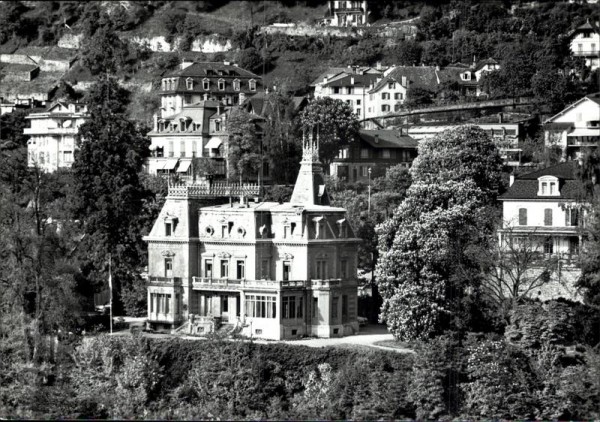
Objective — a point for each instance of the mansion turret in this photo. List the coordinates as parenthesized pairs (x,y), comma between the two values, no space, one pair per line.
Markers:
(261,269)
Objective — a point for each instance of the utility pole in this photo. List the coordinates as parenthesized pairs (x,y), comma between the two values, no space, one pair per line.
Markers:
(369,201)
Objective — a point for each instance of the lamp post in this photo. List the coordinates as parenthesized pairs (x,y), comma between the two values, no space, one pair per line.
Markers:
(369,206)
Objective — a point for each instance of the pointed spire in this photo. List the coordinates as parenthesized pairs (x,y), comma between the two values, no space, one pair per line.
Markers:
(310,185)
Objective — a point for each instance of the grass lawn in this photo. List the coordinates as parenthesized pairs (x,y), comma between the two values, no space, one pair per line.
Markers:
(392,344)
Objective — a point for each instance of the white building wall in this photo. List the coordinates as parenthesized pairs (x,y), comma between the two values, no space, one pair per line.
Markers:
(588,47)
(394,95)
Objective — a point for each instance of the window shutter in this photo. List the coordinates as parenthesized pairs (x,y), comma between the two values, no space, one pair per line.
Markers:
(547,217)
(522,216)
(567,217)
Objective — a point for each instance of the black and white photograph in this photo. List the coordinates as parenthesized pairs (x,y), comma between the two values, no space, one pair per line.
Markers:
(300,210)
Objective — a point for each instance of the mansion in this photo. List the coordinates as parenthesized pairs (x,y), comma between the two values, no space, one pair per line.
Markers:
(260,269)
(191,123)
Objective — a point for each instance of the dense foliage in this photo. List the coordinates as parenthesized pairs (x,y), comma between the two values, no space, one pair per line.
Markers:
(425,267)
(110,197)
(334,122)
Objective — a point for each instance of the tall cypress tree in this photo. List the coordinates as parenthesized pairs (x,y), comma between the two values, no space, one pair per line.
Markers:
(109,193)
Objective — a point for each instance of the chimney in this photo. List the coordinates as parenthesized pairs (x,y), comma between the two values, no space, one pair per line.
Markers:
(155,119)
(378,66)
(226,63)
(352,80)
(376,138)
(511,179)
(500,117)
(404,81)
(437,67)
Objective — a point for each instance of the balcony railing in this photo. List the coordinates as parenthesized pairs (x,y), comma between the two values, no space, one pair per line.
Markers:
(204,283)
(209,189)
(176,281)
(51,131)
(586,53)
(331,282)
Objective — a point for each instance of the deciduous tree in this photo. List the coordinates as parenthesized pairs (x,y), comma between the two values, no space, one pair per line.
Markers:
(335,122)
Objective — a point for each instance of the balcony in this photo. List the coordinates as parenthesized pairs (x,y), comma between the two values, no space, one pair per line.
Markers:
(585,53)
(331,282)
(204,283)
(162,281)
(51,131)
(211,189)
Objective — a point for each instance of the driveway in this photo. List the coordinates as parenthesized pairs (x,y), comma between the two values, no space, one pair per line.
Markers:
(368,336)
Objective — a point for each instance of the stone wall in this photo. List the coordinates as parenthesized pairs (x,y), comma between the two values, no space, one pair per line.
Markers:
(320,31)
(72,41)
(209,44)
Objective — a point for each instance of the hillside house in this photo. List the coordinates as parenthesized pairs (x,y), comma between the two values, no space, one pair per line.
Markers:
(348,84)
(259,269)
(585,43)
(53,134)
(346,13)
(506,136)
(389,93)
(206,81)
(575,129)
(374,150)
(546,207)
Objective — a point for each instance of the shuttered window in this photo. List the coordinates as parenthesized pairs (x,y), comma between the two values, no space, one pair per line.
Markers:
(522,216)
(547,217)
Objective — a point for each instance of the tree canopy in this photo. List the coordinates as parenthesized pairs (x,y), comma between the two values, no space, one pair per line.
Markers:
(110,196)
(425,267)
(336,123)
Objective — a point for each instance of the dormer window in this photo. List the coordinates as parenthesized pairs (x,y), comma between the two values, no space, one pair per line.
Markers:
(342,228)
(170,223)
(319,233)
(548,186)
(236,84)
(466,76)
(252,85)
(221,84)
(205,84)
(189,83)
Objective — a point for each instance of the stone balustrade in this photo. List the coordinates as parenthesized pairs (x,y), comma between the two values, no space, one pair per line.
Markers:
(213,189)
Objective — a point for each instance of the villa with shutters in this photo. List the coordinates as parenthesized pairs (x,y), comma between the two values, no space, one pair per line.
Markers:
(261,269)
(546,207)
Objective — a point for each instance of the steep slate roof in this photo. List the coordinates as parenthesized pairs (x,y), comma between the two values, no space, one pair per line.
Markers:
(526,186)
(259,105)
(387,139)
(359,80)
(213,71)
(482,63)
(199,113)
(337,71)
(585,27)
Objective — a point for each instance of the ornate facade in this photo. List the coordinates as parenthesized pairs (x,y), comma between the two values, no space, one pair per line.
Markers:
(261,269)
